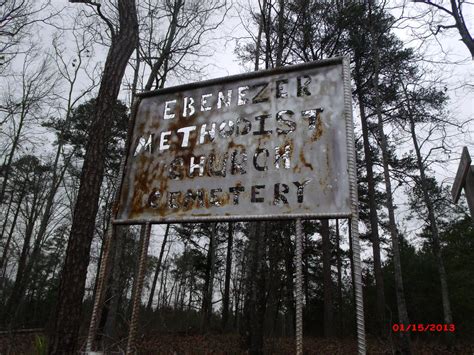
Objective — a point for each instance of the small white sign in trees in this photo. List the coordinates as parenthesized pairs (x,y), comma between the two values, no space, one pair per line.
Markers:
(464,179)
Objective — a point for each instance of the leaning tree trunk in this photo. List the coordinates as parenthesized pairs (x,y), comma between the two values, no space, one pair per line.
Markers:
(72,285)
(399,291)
(6,246)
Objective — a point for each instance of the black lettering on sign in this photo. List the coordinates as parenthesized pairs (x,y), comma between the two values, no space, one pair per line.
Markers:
(236,190)
(226,129)
(255,193)
(190,197)
(280,118)
(214,198)
(216,166)
(263,94)
(300,189)
(281,88)
(238,166)
(154,199)
(278,197)
(313,116)
(262,130)
(242,131)
(302,84)
(283,153)
(175,170)
(257,166)
(173,199)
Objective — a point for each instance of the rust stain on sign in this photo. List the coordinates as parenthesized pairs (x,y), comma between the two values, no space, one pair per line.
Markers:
(270,144)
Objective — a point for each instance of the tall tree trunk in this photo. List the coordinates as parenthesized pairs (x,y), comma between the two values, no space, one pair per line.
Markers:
(67,317)
(448,315)
(228,270)
(306,249)
(163,279)
(400,294)
(373,215)
(115,287)
(328,299)
(289,284)
(261,285)
(7,214)
(266,16)
(158,268)
(274,282)
(8,160)
(6,247)
(239,292)
(258,43)
(16,296)
(280,33)
(351,259)
(461,25)
(209,281)
(170,37)
(253,329)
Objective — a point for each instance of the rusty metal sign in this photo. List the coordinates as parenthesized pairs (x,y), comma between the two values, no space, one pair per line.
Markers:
(270,144)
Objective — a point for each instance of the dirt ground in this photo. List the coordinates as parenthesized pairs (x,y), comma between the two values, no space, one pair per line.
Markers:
(24,343)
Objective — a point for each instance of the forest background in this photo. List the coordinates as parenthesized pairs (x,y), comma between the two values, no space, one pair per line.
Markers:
(68,75)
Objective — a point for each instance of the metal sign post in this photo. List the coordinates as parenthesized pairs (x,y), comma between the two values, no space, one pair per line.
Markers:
(354,218)
(99,293)
(299,287)
(268,145)
(137,290)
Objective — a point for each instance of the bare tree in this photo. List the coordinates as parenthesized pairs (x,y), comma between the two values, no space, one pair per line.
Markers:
(186,26)
(16,18)
(422,115)
(47,205)
(23,106)
(450,16)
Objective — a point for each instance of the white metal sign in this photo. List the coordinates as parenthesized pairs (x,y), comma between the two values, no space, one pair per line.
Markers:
(255,146)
